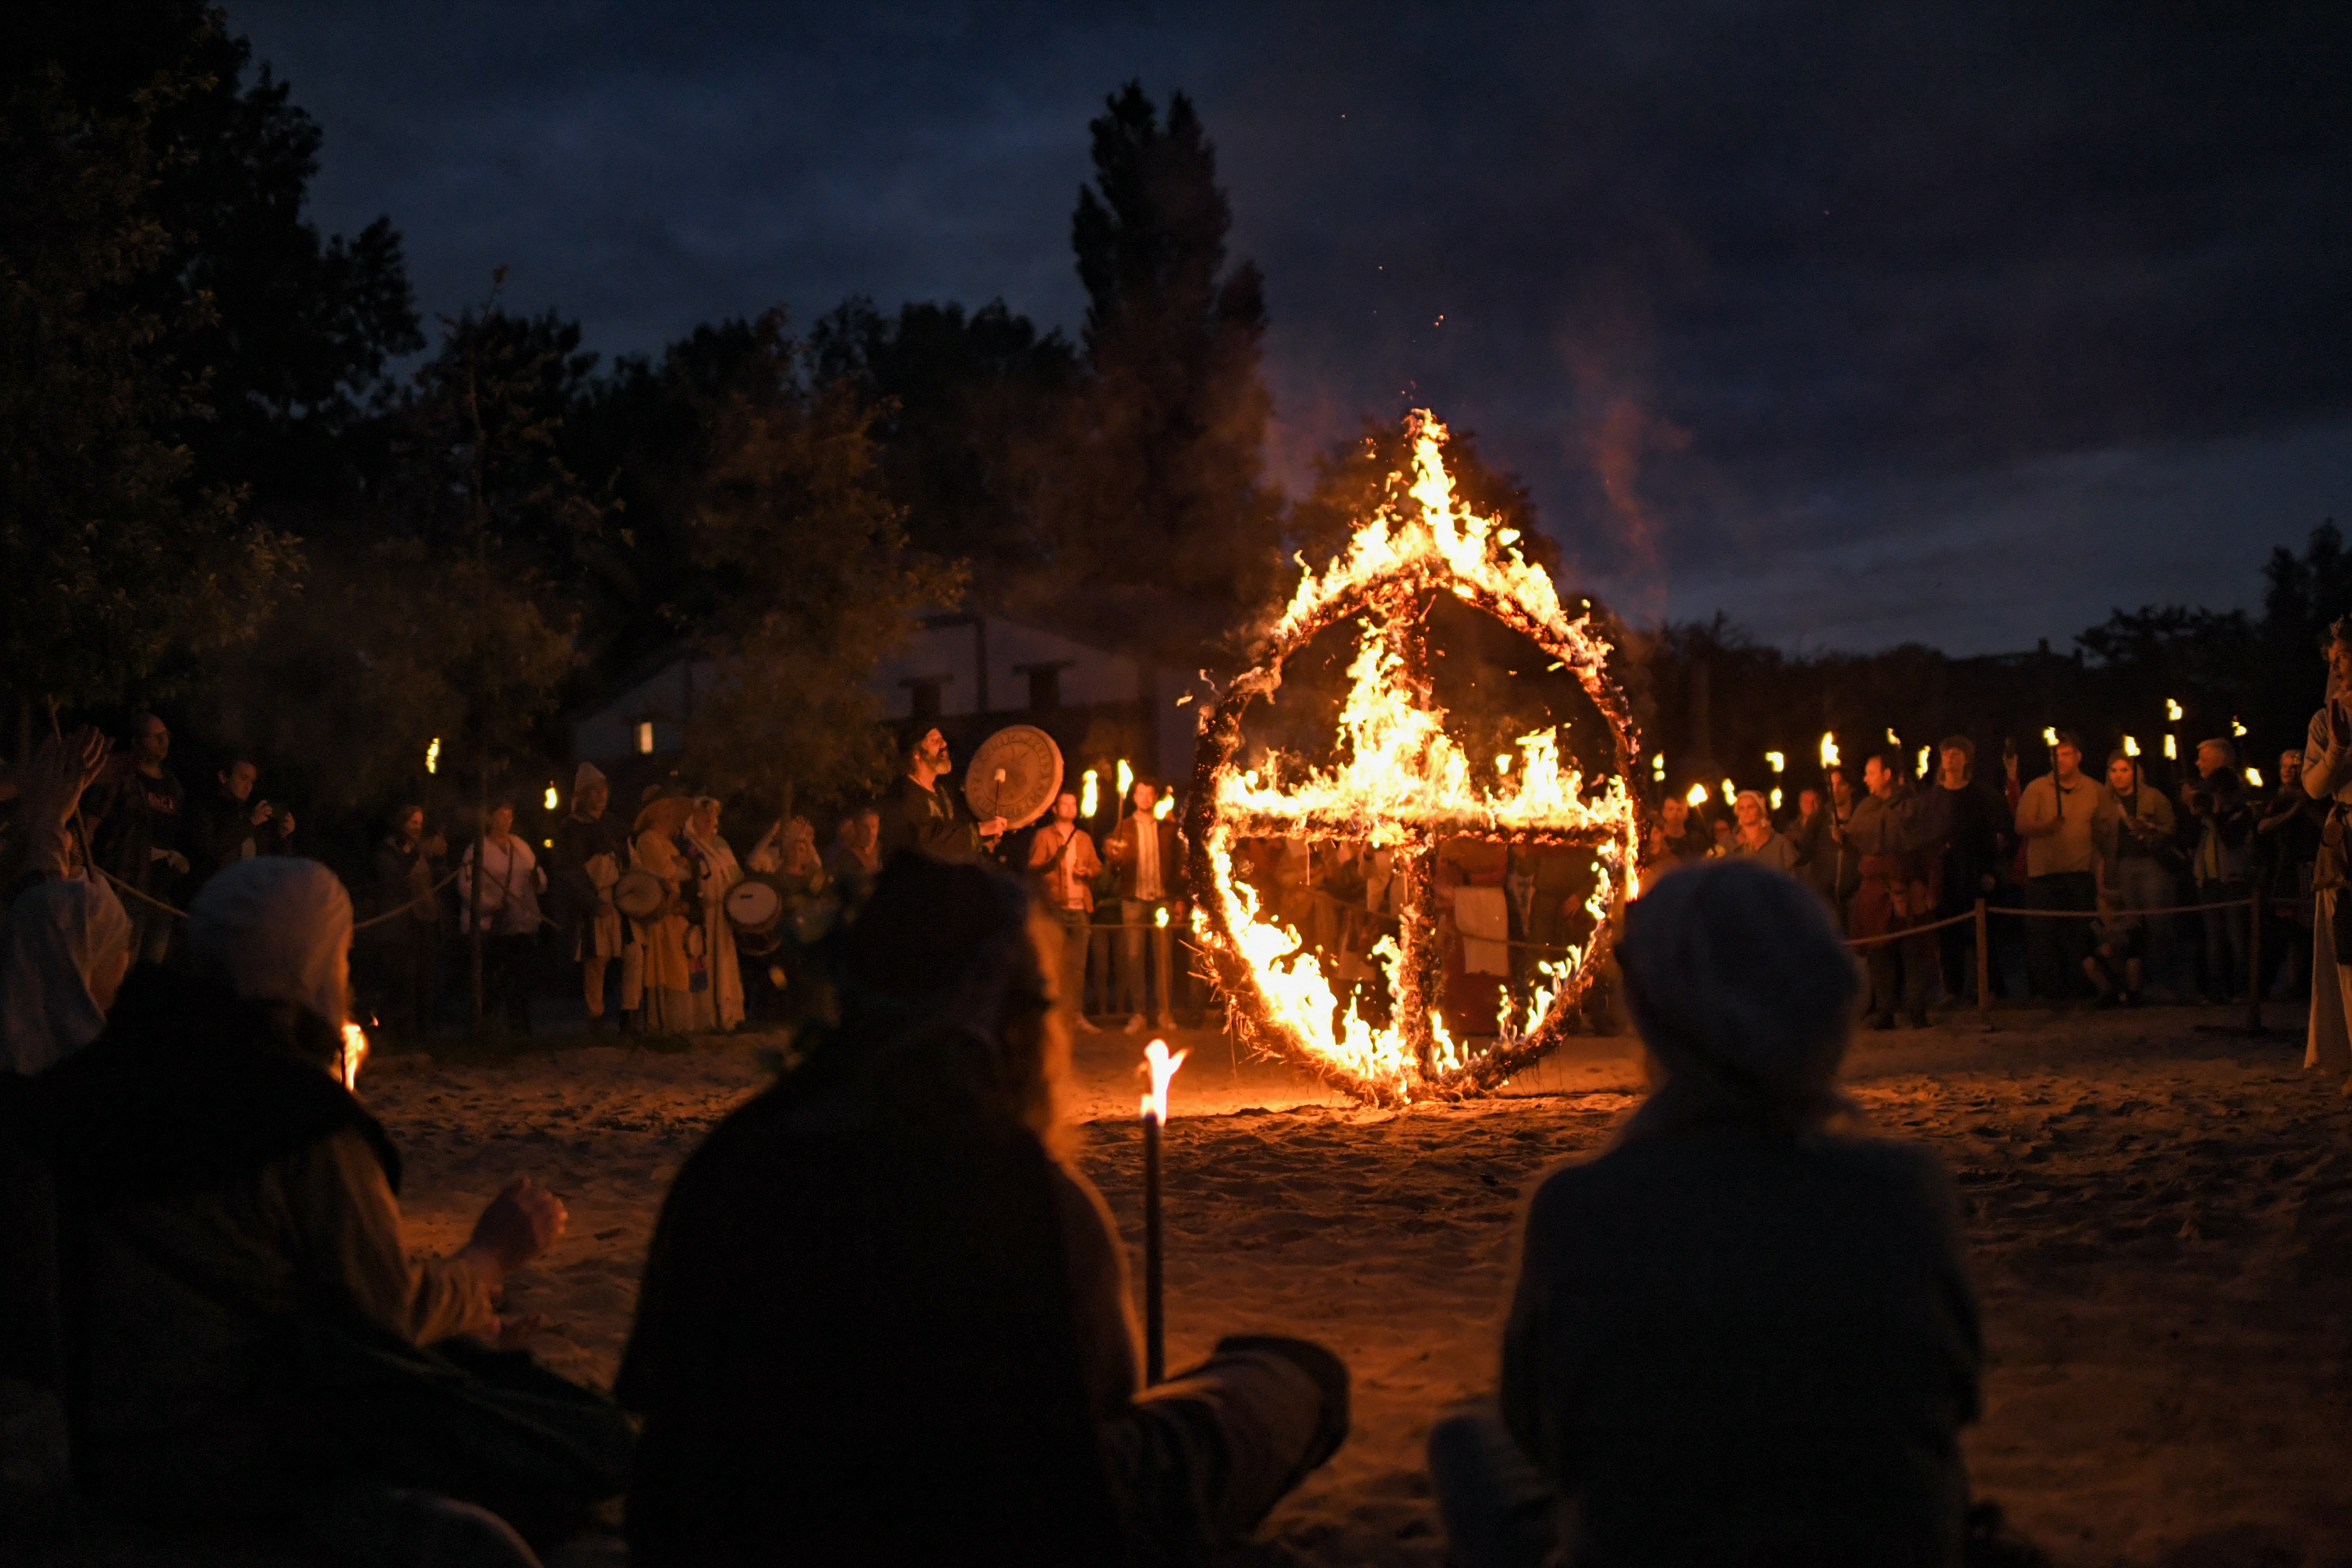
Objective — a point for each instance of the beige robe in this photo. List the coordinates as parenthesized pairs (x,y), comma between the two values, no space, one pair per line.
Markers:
(721,1005)
(668,1004)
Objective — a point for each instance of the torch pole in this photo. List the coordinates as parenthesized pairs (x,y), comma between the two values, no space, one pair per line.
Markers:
(1155,1317)
(1162,1067)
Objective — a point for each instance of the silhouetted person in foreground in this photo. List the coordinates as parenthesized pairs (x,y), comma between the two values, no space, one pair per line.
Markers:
(242,1321)
(1745,1335)
(883,1319)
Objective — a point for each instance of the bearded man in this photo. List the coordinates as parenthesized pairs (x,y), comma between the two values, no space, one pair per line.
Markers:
(920,816)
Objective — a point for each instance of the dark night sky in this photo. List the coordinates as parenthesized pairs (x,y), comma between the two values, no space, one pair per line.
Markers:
(1956,322)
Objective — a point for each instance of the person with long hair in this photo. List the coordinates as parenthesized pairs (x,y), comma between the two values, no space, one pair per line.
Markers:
(884,1319)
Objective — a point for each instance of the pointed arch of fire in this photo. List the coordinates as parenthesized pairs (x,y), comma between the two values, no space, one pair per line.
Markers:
(1396,559)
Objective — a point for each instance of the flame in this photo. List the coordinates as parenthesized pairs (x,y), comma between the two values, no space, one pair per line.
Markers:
(2131,747)
(1776,799)
(1163,1068)
(1658,767)
(2172,748)
(1162,806)
(355,1055)
(2050,736)
(2172,710)
(433,755)
(1893,739)
(1829,749)
(1696,797)
(1776,762)
(551,801)
(1126,781)
(1159,917)
(1731,790)
(1090,796)
(2255,777)
(2236,727)
(1404,783)
(1925,752)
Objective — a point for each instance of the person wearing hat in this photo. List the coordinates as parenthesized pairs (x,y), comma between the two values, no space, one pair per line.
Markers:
(920,813)
(884,1318)
(1746,1331)
(591,849)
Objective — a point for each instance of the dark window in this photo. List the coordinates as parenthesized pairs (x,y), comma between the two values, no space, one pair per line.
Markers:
(1046,688)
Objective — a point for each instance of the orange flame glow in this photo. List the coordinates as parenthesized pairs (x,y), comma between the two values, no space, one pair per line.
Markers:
(355,1055)
(1163,1068)
(1403,781)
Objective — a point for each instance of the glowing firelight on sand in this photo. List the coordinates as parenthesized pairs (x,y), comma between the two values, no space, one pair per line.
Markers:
(1404,785)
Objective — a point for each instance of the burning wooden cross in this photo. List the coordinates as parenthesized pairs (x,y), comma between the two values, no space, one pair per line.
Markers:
(1406,786)
(1155,1117)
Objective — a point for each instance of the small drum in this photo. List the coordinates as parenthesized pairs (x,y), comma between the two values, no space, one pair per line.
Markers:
(637,893)
(755,906)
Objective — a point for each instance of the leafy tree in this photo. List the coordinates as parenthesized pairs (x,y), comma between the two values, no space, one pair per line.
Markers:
(112,560)
(1152,490)
(960,402)
(295,331)
(814,581)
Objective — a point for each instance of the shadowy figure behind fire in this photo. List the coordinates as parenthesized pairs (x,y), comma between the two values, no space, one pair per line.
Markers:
(884,1320)
(1739,1336)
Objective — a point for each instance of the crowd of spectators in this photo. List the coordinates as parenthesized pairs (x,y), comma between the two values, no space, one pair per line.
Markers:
(2122,891)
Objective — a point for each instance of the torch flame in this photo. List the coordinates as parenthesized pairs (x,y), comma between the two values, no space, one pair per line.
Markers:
(433,755)
(1090,796)
(1162,806)
(1696,797)
(355,1055)
(1829,749)
(1163,1068)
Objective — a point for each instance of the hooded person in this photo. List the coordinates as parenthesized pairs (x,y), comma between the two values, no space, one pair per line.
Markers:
(62,957)
(885,1319)
(1744,1332)
(226,1215)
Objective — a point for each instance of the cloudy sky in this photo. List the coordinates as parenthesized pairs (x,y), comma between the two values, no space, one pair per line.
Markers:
(1962,323)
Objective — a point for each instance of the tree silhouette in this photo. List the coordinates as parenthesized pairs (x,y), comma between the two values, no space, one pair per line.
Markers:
(1153,491)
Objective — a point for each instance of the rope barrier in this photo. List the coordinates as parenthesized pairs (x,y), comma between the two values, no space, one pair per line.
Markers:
(155,903)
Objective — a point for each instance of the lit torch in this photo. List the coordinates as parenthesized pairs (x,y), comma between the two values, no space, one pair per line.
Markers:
(355,1055)
(1829,752)
(1155,1117)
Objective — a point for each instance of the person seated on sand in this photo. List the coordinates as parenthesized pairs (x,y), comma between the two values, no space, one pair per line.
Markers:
(237,1297)
(1745,1332)
(885,1319)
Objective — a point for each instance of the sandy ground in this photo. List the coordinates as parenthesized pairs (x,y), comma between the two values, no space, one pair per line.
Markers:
(2159,1215)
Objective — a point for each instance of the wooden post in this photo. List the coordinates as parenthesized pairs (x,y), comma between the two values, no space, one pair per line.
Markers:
(1984,965)
(1155,1323)
(2254,962)
(474,891)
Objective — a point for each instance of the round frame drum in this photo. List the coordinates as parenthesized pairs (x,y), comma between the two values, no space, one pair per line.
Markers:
(637,893)
(1014,774)
(755,906)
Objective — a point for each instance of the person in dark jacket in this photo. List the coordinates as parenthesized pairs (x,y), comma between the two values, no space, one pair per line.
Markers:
(232,825)
(2221,863)
(397,950)
(1746,1333)
(2286,839)
(137,814)
(1963,827)
(884,1319)
(1896,892)
(591,851)
(921,812)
